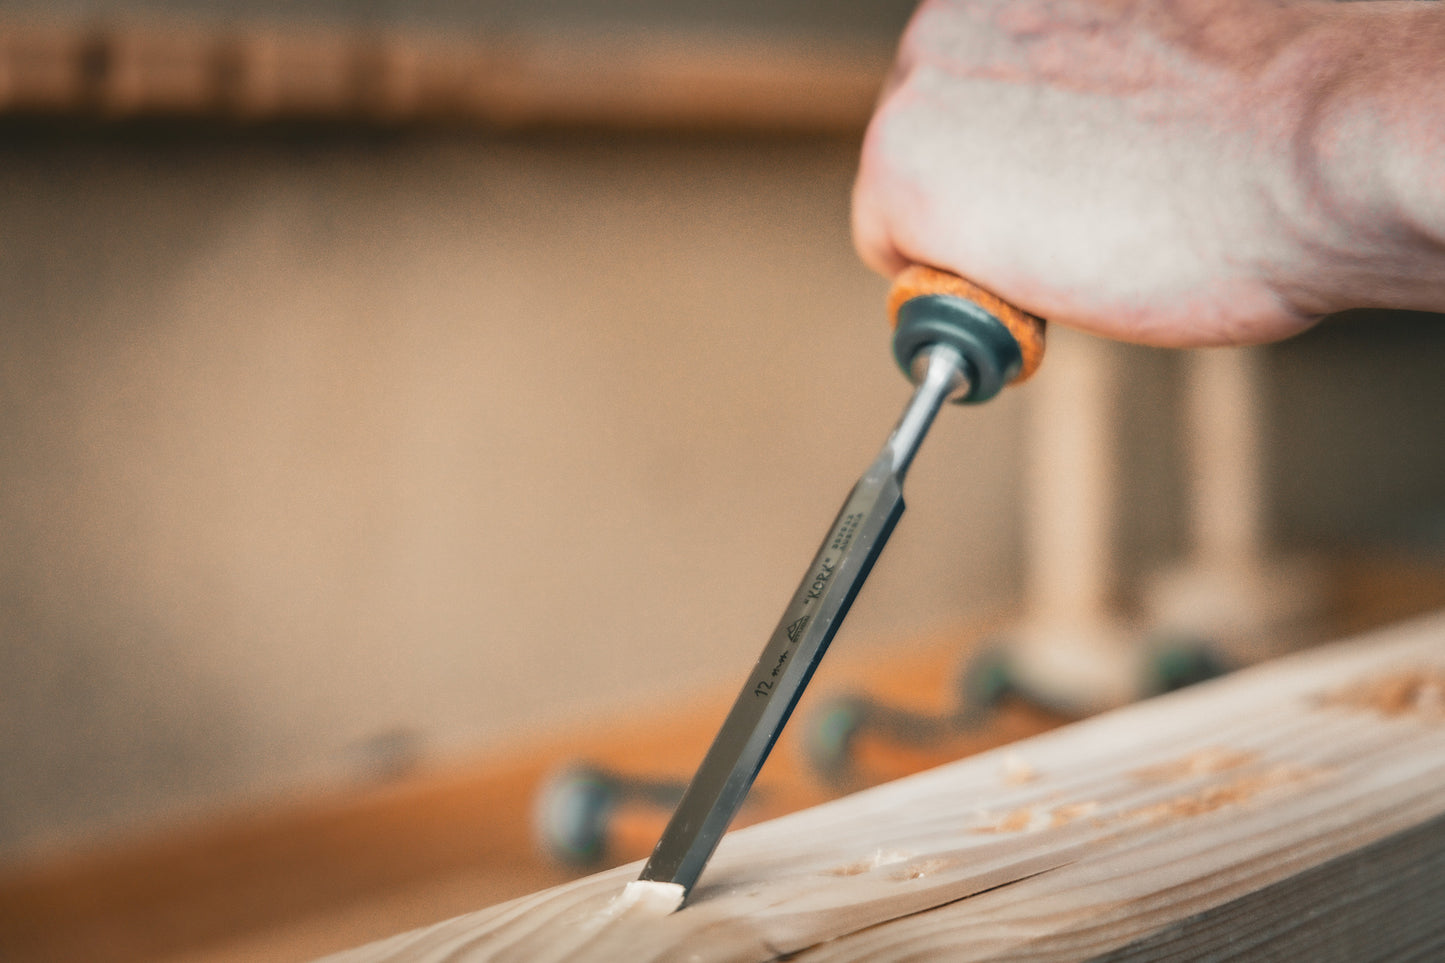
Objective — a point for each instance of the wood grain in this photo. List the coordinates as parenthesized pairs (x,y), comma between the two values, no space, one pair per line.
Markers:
(1296,809)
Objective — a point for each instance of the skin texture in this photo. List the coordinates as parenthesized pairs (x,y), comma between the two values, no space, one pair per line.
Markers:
(1169,172)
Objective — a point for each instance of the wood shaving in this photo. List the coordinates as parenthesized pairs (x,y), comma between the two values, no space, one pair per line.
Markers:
(924,867)
(1014,822)
(1017,771)
(878,859)
(644,897)
(1067,814)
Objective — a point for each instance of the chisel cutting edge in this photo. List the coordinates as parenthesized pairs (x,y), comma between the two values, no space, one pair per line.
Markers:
(957,342)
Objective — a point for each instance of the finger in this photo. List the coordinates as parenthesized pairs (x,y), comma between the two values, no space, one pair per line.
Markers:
(871,236)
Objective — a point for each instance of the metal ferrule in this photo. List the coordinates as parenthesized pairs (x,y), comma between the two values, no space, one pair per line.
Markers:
(940,374)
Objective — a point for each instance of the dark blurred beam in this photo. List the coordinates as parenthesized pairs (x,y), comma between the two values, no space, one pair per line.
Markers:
(640,79)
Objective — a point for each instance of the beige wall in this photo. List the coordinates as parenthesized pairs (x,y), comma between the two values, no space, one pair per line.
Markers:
(307,443)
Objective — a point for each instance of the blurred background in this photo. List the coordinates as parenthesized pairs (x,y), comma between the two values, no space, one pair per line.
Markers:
(413,418)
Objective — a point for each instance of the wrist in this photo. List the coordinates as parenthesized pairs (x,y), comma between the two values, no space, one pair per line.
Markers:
(1369,147)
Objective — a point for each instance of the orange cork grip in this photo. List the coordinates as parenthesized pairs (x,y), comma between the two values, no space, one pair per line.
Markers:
(1026,329)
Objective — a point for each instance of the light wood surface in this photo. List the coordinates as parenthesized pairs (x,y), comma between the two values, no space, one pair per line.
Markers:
(1294,809)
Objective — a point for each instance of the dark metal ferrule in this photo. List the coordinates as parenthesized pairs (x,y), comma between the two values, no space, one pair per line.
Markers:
(991,355)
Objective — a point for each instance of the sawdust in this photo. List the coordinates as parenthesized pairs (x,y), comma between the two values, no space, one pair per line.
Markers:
(1205,762)
(852,869)
(924,867)
(1017,771)
(1014,822)
(1031,818)
(1064,815)
(1242,788)
(1417,692)
(1235,792)
(862,866)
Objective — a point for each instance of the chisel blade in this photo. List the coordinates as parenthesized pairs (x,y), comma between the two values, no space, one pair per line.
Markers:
(808,625)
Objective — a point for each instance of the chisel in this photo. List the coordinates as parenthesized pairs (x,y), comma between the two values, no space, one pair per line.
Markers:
(957,342)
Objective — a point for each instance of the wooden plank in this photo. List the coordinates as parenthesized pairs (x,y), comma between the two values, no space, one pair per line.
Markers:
(1294,809)
(643,79)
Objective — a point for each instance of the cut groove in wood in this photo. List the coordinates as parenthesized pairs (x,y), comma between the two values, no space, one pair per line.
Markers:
(1277,811)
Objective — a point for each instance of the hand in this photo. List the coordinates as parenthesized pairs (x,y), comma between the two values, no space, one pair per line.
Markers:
(1172,172)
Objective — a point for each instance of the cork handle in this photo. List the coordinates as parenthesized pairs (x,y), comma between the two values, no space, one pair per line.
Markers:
(1026,329)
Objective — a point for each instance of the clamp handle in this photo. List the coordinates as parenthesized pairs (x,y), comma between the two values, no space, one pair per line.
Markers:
(1000,343)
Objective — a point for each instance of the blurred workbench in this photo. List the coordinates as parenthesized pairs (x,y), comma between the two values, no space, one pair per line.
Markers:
(660,77)
(311,876)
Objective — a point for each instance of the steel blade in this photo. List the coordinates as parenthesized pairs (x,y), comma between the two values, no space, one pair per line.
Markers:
(797,645)
(778,679)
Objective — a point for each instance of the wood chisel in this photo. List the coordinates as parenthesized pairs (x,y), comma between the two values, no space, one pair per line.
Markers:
(957,342)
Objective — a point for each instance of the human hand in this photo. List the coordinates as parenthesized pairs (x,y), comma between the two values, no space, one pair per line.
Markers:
(1171,172)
